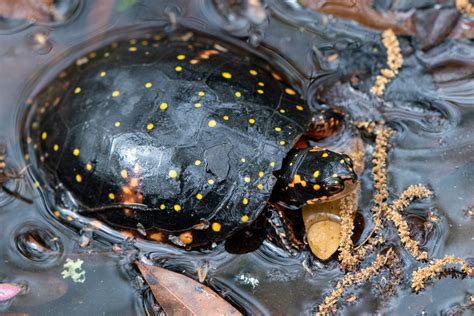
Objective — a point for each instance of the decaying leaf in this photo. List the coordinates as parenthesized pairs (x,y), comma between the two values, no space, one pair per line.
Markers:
(180,295)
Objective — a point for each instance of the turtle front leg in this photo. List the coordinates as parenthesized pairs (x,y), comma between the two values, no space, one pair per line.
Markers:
(282,231)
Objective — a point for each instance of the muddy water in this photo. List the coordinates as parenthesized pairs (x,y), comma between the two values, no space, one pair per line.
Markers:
(430,103)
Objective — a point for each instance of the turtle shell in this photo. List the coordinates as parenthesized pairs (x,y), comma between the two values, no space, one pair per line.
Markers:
(169,133)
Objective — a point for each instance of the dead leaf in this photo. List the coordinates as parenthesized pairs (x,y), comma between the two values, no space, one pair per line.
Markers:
(180,295)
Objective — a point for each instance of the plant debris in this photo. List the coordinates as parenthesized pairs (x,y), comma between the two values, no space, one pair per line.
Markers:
(354,279)
(393,213)
(72,269)
(394,62)
(350,258)
(179,295)
(465,6)
(435,268)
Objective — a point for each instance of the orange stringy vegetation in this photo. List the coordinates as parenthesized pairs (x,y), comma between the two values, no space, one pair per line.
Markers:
(393,213)
(394,62)
(350,257)
(354,279)
(465,6)
(435,268)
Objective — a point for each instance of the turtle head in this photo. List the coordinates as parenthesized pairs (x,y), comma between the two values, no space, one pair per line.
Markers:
(315,174)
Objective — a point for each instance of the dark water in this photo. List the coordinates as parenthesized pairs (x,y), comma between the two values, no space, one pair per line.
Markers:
(431,103)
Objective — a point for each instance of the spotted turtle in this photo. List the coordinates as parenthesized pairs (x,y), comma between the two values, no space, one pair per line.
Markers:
(179,135)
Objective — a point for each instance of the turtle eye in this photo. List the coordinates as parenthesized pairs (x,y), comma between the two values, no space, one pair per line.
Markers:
(334,187)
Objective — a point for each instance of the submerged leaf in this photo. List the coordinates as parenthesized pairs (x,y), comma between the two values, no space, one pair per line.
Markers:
(8,291)
(180,295)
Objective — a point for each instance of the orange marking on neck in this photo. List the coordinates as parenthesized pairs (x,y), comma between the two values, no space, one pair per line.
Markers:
(297,180)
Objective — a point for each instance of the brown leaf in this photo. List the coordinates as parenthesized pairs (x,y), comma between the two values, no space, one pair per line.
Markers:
(180,295)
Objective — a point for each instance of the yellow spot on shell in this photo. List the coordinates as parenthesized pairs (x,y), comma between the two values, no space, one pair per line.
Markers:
(278,129)
(282,111)
(116,93)
(238,94)
(282,142)
(181,57)
(245,218)
(173,173)
(163,106)
(124,174)
(299,108)
(253,72)
(316,187)
(334,175)
(36,185)
(261,174)
(199,196)
(103,74)
(261,84)
(150,126)
(77,90)
(226,118)
(57,213)
(111,196)
(243,160)
(290,91)
(226,75)
(162,207)
(216,227)
(177,207)
(245,201)
(56,147)
(342,161)
(272,164)
(44,135)
(193,61)
(316,174)
(210,181)
(78,178)
(260,91)
(197,162)
(76,152)
(247,179)
(117,124)
(88,167)
(178,68)
(252,121)
(325,155)
(148,85)
(212,123)
(197,105)
(260,186)
(132,49)
(201,93)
